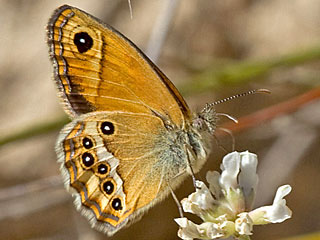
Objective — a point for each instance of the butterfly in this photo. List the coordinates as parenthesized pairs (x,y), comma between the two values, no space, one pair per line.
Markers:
(132,137)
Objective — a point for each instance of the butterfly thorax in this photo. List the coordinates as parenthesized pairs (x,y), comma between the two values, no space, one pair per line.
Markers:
(181,146)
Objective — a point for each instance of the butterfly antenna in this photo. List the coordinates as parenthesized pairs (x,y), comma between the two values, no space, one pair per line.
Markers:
(239,95)
(208,116)
(130,9)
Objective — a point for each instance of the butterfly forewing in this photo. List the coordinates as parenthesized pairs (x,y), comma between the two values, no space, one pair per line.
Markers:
(97,68)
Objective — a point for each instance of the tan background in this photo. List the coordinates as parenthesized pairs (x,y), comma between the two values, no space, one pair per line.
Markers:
(201,32)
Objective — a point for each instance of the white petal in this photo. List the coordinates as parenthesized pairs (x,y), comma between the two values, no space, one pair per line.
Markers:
(230,169)
(248,178)
(280,211)
(198,201)
(277,212)
(189,206)
(189,230)
(182,222)
(281,193)
(210,230)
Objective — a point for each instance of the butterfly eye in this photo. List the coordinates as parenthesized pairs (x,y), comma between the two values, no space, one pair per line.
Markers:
(83,41)
(87,143)
(107,128)
(116,204)
(103,169)
(108,187)
(87,159)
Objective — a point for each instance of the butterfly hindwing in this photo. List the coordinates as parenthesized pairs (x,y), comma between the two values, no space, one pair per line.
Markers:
(116,165)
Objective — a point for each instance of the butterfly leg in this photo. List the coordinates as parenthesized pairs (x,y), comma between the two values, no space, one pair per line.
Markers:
(190,151)
(174,196)
(231,135)
(232,138)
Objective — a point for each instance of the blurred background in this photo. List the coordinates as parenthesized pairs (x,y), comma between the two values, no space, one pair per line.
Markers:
(210,49)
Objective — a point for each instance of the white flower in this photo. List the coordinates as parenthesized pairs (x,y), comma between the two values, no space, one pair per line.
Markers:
(225,207)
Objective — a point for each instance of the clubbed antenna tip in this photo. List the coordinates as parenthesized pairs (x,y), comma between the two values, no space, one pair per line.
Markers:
(261,90)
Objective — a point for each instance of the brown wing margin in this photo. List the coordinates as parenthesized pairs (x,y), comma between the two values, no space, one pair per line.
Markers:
(75,103)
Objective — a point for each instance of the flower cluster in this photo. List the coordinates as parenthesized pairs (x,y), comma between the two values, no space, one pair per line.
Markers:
(226,206)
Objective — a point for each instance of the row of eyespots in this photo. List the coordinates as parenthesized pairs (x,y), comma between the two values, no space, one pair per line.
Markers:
(88,158)
(107,128)
(88,161)
(109,187)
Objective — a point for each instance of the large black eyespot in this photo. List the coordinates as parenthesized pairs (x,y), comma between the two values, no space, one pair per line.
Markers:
(83,41)
(108,187)
(116,204)
(87,143)
(87,159)
(107,128)
(103,169)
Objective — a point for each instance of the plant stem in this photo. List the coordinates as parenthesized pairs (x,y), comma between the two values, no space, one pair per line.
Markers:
(34,130)
(236,73)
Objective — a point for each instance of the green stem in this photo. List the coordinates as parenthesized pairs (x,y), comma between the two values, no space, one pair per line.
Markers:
(236,73)
(34,130)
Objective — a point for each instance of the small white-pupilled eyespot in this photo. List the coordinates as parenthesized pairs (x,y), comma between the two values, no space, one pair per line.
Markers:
(225,207)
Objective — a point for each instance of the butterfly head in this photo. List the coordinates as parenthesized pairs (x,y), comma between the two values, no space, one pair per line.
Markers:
(206,119)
